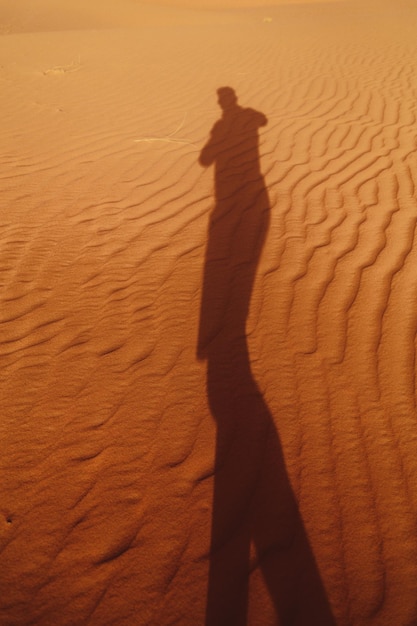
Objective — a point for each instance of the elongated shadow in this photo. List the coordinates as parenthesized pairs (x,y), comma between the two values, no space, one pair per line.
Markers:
(253,502)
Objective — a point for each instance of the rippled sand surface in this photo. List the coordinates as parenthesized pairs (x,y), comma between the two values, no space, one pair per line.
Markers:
(208,380)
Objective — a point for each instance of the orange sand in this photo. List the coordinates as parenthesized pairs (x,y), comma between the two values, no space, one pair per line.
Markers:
(208,330)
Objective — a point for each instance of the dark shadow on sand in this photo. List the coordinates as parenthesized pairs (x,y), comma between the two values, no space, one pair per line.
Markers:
(253,500)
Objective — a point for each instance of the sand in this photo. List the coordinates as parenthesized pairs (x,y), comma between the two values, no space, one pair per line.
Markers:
(208,313)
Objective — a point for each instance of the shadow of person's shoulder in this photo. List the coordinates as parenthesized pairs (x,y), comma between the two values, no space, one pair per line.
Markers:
(255,117)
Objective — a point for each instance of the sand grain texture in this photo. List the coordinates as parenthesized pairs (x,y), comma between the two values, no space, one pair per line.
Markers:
(108,428)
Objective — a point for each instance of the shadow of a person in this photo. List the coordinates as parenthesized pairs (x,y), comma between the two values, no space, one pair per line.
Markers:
(253,502)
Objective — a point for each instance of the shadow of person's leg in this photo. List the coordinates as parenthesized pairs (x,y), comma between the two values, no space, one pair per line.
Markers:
(227,596)
(240,443)
(285,556)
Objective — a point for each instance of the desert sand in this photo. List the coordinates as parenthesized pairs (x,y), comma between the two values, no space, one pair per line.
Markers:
(208,313)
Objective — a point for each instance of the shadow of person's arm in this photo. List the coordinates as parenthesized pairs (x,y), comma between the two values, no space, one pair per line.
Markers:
(209,152)
(259,118)
(263,121)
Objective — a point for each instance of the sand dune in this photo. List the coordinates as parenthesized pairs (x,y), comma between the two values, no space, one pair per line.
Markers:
(208,314)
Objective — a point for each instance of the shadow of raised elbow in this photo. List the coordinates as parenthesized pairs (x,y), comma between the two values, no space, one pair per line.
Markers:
(206,158)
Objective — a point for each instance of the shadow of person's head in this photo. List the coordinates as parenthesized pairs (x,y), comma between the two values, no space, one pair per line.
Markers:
(227,98)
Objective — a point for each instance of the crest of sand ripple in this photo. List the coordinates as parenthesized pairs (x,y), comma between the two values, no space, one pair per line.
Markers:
(107,439)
